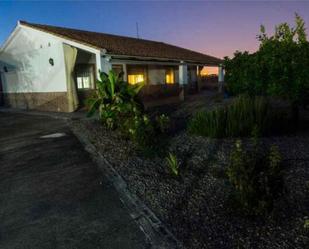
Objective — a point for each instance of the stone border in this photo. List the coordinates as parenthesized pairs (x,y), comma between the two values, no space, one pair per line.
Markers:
(157,234)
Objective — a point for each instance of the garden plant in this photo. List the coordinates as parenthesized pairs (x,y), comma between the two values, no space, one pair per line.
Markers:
(119,107)
(278,69)
(237,119)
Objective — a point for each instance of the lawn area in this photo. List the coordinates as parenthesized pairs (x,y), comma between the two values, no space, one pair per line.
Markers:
(197,204)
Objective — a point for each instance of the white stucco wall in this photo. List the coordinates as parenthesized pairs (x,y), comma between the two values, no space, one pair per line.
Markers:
(27,55)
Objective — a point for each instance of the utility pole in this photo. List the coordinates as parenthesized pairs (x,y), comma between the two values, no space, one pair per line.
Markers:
(137,33)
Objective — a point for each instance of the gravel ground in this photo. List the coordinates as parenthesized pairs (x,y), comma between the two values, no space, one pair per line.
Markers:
(196,205)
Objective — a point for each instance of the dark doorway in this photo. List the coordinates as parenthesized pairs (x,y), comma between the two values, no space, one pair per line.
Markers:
(85,82)
(1,92)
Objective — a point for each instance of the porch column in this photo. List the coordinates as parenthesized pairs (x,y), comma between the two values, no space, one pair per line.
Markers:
(98,64)
(198,74)
(221,79)
(125,72)
(103,63)
(106,64)
(183,79)
(183,74)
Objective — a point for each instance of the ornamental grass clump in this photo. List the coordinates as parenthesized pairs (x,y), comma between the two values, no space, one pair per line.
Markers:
(236,119)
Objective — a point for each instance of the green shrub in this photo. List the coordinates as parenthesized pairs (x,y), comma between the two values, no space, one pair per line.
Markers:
(163,123)
(139,128)
(149,134)
(256,177)
(114,99)
(279,68)
(173,164)
(237,119)
(119,107)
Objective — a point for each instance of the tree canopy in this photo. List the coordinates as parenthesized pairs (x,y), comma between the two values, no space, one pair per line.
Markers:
(280,67)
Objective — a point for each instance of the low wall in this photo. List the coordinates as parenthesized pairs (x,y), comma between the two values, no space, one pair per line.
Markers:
(43,101)
(163,94)
(208,82)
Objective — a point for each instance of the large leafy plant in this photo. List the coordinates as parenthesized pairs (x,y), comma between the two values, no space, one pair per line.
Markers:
(114,99)
(279,68)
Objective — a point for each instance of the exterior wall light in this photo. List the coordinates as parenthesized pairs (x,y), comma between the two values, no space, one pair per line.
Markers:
(51,61)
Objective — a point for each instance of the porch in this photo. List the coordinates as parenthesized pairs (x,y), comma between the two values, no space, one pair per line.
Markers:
(166,81)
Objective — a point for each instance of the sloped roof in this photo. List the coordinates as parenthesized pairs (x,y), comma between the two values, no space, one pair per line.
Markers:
(127,46)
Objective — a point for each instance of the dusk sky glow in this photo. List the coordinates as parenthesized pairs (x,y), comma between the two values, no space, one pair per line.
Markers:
(217,28)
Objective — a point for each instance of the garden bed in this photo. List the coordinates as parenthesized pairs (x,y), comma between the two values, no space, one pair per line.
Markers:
(196,206)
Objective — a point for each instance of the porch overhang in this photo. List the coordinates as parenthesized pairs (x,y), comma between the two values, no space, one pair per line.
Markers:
(128,59)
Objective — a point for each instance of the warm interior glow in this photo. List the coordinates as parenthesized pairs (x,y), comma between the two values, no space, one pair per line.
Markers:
(135,78)
(209,71)
(169,76)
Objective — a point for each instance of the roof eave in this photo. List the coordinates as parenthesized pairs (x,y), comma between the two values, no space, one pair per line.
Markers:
(175,60)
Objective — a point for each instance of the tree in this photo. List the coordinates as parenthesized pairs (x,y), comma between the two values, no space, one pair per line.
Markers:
(278,68)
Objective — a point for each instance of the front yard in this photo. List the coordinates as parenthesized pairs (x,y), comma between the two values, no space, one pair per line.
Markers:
(196,206)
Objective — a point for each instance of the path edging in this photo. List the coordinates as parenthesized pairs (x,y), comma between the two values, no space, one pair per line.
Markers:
(157,234)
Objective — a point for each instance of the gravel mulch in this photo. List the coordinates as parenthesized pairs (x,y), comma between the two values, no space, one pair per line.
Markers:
(196,205)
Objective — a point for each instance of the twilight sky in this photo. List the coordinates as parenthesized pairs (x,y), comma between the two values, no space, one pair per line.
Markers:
(213,27)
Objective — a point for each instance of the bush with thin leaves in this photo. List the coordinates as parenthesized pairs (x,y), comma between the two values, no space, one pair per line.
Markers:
(256,177)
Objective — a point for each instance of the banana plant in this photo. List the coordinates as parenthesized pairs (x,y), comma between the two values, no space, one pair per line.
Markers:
(114,97)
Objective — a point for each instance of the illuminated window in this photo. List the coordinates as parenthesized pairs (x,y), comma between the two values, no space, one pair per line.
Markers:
(169,76)
(135,78)
(83,82)
(84,76)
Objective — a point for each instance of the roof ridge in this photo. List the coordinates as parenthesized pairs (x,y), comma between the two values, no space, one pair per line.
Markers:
(125,45)
(88,31)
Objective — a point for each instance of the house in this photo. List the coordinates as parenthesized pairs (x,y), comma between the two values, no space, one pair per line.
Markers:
(54,68)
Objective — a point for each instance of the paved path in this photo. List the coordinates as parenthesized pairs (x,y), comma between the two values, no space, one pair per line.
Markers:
(51,194)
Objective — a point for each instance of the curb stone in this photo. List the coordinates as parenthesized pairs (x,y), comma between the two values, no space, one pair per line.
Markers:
(157,234)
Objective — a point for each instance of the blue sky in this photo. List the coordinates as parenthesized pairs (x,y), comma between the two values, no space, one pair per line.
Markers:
(214,27)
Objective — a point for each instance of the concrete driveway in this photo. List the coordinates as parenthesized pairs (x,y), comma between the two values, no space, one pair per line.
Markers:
(52,195)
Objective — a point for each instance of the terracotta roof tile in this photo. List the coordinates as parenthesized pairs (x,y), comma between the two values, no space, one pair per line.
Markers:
(121,45)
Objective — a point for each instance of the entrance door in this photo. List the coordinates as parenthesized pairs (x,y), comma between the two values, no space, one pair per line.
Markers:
(1,91)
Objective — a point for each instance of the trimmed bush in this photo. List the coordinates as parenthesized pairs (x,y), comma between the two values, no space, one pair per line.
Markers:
(237,119)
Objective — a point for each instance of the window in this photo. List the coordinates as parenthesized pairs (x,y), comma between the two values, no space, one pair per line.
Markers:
(135,78)
(84,76)
(169,76)
(83,82)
